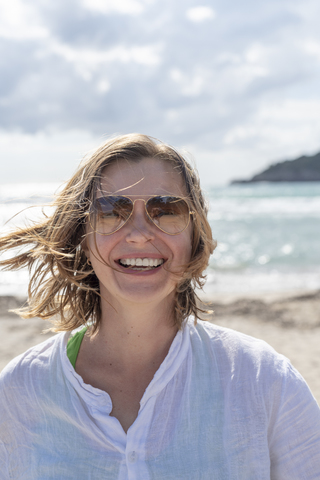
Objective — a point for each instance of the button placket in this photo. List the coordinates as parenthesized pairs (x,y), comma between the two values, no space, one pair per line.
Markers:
(132,456)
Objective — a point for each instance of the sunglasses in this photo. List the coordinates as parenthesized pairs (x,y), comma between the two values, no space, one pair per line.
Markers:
(111,212)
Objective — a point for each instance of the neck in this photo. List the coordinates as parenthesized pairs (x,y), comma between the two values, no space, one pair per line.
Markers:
(136,335)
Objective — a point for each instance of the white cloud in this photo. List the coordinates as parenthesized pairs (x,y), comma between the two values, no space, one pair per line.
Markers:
(255,53)
(128,7)
(103,86)
(279,130)
(312,47)
(89,59)
(191,85)
(200,14)
(20,21)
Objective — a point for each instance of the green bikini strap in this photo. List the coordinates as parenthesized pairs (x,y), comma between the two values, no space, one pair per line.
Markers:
(73,346)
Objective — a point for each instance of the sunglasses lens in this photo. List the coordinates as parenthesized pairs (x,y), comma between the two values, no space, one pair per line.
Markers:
(110,213)
(170,214)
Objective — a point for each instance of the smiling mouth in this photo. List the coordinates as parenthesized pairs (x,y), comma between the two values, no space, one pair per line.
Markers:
(141,264)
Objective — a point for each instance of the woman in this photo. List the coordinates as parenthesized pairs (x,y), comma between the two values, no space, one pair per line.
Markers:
(141,390)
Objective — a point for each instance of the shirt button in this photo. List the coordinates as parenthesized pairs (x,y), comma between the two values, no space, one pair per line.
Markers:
(132,457)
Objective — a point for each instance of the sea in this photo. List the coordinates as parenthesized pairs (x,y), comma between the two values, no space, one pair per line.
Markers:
(268,235)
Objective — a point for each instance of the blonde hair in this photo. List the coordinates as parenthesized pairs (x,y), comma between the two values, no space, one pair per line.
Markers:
(63,287)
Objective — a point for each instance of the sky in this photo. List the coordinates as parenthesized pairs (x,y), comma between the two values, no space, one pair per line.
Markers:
(234,84)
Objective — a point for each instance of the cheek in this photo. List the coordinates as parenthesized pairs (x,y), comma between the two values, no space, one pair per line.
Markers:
(184,248)
(97,247)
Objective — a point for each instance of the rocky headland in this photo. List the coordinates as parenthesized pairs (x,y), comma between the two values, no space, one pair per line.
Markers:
(303,169)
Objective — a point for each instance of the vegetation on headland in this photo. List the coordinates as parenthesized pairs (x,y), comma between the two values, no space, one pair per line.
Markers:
(303,169)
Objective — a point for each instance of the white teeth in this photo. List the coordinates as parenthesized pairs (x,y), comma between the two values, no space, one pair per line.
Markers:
(141,262)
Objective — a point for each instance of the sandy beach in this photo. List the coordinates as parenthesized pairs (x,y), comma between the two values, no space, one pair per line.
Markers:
(290,323)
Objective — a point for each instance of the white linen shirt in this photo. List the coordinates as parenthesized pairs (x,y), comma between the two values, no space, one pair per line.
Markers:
(221,406)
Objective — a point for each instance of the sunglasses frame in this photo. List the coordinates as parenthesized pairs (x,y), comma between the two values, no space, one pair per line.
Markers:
(191,212)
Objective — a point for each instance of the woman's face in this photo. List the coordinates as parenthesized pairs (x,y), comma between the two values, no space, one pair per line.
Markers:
(139,239)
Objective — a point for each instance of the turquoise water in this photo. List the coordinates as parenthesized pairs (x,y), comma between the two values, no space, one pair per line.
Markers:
(268,235)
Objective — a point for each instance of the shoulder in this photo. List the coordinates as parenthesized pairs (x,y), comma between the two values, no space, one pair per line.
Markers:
(230,342)
(237,355)
(249,368)
(31,364)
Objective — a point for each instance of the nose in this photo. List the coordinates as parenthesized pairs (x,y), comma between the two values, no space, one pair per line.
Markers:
(139,227)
